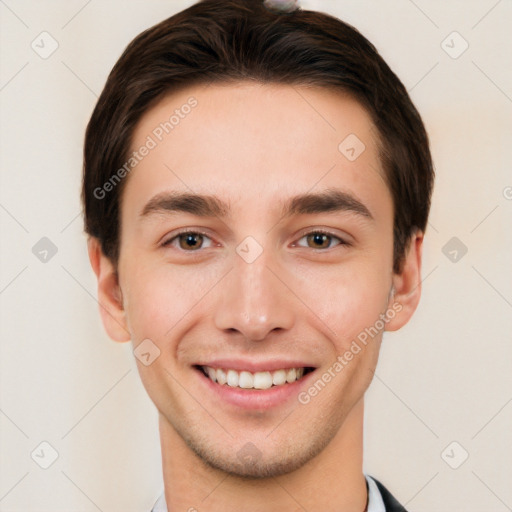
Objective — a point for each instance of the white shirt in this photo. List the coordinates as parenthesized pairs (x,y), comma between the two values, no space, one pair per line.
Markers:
(375,503)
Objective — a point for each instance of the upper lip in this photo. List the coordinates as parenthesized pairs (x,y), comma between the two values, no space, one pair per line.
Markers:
(256,366)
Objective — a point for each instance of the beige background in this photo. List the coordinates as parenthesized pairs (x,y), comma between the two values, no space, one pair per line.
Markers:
(446,377)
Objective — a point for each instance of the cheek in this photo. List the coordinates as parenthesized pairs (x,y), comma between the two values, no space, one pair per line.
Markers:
(160,296)
(348,299)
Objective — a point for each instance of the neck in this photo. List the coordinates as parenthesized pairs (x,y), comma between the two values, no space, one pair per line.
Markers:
(333,480)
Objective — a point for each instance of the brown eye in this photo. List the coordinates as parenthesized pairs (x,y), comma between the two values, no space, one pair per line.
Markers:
(190,241)
(320,240)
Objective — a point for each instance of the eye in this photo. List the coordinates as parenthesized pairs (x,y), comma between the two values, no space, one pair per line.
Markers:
(321,240)
(188,241)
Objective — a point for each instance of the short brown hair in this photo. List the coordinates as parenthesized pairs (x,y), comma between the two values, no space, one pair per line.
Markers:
(230,40)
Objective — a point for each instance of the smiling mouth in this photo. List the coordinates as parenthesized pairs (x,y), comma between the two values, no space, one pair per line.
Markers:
(254,380)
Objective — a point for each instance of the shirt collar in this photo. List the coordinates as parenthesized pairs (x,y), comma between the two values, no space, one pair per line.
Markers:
(375,503)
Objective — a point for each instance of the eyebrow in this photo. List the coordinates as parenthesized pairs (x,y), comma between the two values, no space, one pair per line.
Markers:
(205,205)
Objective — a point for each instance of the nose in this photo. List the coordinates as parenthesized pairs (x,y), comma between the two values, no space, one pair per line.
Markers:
(254,299)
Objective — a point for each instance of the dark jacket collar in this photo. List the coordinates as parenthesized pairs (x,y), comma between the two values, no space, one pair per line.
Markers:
(389,501)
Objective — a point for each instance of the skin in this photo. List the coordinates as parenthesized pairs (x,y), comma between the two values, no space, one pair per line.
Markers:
(254,146)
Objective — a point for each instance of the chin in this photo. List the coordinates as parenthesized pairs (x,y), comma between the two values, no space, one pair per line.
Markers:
(248,462)
(251,469)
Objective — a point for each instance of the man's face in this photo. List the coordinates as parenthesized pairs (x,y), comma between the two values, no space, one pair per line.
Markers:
(254,288)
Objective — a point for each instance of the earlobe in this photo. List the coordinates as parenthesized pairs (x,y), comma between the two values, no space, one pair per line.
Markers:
(110,297)
(406,291)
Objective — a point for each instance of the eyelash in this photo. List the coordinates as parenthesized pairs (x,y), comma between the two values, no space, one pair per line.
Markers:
(168,242)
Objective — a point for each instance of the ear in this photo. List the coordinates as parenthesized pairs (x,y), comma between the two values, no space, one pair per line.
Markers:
(406,290)
(110,298)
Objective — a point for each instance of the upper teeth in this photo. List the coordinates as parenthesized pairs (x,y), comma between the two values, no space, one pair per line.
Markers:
(249,380)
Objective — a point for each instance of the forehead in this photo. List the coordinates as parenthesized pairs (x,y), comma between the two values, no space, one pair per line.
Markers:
(246,141)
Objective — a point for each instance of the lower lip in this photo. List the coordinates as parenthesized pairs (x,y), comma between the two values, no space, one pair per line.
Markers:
(253,399)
